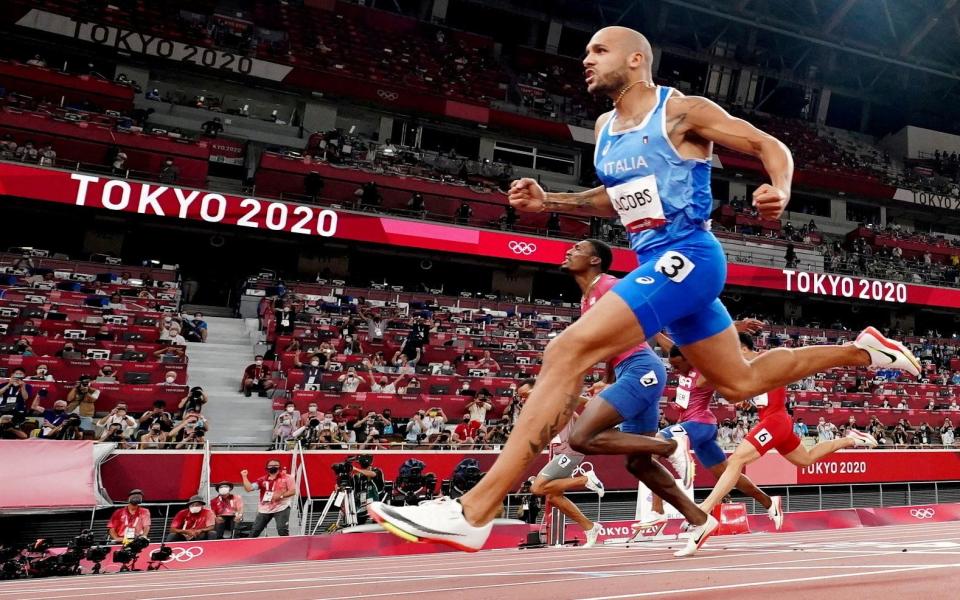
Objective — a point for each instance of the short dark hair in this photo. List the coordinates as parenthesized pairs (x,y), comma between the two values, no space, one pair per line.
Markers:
(675,352)
(746,340)
(603,251)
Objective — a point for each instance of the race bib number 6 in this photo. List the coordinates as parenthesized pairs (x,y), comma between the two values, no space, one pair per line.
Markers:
(675,266)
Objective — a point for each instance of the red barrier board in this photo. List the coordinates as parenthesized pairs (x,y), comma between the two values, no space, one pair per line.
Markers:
(89,191)
(130,469)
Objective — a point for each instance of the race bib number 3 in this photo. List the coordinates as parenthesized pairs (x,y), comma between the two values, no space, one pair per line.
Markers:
(638,203)
(675,266)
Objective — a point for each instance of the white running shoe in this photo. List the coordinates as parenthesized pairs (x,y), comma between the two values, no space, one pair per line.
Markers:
(698,535)
(680,459)
(593,482)
(592,534)
(775,512)
(439,520)
(886,353)
(642,529)
(861,439)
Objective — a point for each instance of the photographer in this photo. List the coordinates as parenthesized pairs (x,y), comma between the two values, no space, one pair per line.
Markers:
(368,485)
(415,429)
(434,426)
(113,434)
(118,417)
(373,441)
(130,521)
(364,426)
(70,429)
(156,417)
(154,438)
(10,427)
(193,433)
(277,490)
(228,509)
(349,381)
(193,400)
(196,522)
(529,509)
(15,394)
(285,427)
(83,398)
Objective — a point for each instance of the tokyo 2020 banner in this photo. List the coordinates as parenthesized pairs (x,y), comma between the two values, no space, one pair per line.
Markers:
(158,200)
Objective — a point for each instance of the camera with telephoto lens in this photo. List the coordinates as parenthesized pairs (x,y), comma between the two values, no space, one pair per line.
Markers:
(344,471)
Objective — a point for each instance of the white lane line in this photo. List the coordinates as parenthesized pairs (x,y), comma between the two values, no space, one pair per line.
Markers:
(730,586)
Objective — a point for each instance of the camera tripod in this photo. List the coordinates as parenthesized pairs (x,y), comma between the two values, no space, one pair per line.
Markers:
(345,502)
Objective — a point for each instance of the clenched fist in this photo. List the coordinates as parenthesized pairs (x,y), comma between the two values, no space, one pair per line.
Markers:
(770,201)
(526,195)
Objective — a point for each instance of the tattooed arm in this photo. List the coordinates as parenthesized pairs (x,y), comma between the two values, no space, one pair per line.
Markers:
(527,195)
(695,122)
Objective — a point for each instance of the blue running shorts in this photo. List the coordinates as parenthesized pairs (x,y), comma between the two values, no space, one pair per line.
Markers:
(637,391)
(678,289)
(703,441)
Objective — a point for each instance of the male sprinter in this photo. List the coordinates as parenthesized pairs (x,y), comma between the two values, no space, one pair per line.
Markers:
(653,157)
(697,421)
(564,473)
(632,401)
(774,431)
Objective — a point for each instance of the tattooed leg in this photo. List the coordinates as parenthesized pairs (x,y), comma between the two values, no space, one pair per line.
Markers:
(609,328)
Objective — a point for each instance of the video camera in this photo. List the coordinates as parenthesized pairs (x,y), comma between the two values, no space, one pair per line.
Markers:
(344,471)
(412,485)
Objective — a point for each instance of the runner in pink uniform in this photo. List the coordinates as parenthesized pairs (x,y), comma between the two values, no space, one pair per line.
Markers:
(697,421)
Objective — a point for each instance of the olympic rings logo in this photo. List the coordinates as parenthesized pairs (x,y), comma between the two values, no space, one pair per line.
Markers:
(185,554)
(922,513)
(524,248)
(387,95)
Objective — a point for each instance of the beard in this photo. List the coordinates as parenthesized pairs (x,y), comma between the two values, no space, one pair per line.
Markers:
(609,85)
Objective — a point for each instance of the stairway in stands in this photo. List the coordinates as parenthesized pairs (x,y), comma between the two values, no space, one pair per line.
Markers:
(217,366)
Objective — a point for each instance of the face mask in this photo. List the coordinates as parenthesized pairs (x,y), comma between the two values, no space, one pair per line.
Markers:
(258,362)
(171,379)
(156,430)
(136,499)
(272,470)
(58,411)
(313,409)
(290,409)
(108,372)
(195,509)
(224,491)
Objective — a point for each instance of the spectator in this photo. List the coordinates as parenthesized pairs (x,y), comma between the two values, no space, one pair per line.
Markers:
(553,224)
(465,390)
(376,325)
(466,431)
(169,378)
(416,206)
(257,377)
(27,153)
(418,336)
(369,195)
(477,409)
(15,394)
(154,438)
(10,427)
(212,128)
(153,95)
(228,509)
(383,386)
(488,363)
(172,335)
(313,372)
(947,433)
(416,429)
(131,521)
(412,386)
(170,172)
(791,257)
(350,381)
(446,369)
(464,212)
(8,147)
(285,320)
(311,414)
(276,496)
(106,374)
(119,163)
(198,328)
(118,416)
(434,424)
(48,157)
(196,522)
(69,429)
(193,401)
(900,436)
(52,418)
(37,61)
